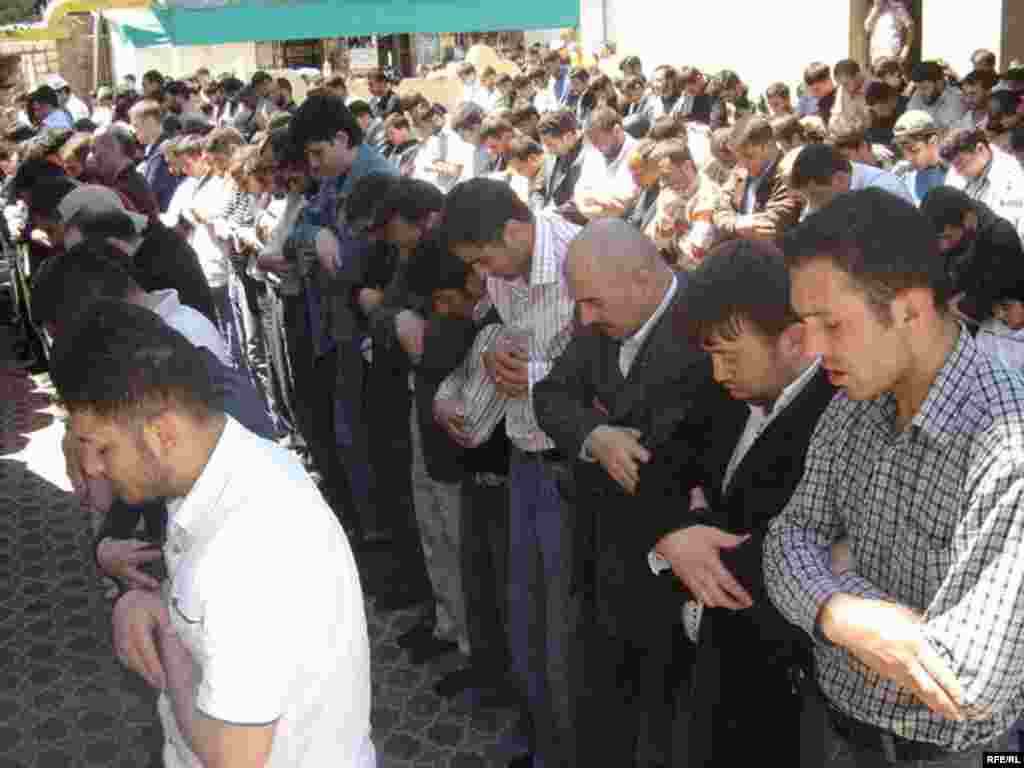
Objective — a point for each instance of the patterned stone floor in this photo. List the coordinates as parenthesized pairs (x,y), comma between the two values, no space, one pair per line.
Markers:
(64,699)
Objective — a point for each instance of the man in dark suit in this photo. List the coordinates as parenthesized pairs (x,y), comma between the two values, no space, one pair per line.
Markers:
(739,310)
(624,384)
(561,136)
(756,202)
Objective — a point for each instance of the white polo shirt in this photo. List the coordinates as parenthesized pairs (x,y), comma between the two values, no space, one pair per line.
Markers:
(263,590)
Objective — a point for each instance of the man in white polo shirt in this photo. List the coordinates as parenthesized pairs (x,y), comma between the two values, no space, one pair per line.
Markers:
(258,638)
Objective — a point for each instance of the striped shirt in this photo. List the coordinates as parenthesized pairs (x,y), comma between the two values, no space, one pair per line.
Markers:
(545,308)
(933,516)
(470,384)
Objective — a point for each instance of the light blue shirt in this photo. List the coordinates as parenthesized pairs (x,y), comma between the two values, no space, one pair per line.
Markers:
(869,177)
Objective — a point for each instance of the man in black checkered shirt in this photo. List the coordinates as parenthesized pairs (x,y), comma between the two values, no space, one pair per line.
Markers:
(902,550)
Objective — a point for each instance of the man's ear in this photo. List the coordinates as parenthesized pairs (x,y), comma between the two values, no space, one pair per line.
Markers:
(161,433)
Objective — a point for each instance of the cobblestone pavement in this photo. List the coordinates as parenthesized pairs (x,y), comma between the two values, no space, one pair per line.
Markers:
(64,699)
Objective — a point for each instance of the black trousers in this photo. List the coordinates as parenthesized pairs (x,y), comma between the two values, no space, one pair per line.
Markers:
(483,540)
(626,697)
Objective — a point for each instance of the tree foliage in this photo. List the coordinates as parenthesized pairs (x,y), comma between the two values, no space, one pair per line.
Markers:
(18,11)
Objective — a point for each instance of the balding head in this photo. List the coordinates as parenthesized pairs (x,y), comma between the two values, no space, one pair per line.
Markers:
(616,276)
(611,246)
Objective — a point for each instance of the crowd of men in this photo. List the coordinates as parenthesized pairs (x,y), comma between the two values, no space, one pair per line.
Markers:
(694,425)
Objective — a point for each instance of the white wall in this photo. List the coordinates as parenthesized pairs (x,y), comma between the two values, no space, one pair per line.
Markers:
(237,58)
(762,41)
(953,33)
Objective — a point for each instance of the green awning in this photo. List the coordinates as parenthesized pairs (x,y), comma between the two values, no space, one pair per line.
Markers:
(210,22)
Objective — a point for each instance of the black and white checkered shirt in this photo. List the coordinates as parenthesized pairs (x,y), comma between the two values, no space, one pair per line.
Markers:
(935,520)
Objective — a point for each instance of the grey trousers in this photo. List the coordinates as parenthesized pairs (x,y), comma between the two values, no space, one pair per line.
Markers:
(438,511)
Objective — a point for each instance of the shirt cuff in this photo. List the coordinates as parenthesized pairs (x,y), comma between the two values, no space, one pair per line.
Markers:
(585,454)
(657,563)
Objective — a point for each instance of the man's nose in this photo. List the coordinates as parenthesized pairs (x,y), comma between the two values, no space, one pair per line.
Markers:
(92,464)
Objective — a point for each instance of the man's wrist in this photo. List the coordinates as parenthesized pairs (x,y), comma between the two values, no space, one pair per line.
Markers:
(832,617)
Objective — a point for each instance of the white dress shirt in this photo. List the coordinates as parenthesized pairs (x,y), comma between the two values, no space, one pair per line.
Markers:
(757,423)
(264,592)
(544,307)
(1000,187)
(945,110)
(602,178)
(189,322)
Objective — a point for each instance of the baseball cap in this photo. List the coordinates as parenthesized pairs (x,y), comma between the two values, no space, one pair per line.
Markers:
(93,198)
(914,123)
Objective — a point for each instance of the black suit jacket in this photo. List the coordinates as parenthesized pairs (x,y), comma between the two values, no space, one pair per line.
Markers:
(561,176)
(751,650)
(611,536)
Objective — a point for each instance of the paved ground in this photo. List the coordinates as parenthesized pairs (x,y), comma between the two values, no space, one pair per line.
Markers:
(65,701)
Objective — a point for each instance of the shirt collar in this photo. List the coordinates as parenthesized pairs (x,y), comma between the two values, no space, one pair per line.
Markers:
(543,267)
(164,302)
(200,513)
(789,394)
(638,338)
(936,416)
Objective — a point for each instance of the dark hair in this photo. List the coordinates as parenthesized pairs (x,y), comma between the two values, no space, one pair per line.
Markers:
(492,127)
(848,131)
(523,148)
(433,267)
(751,130)
(464,69)
(879,92)
(984,78)
(946,207)
(377,75)
(44,94)
(986,56)
(817,164)
(963,140)
(888,65)
(476,211)
(787,128)
(123,362)
(320,117)
(285,84)
(557,124)
(846,68)
(880,240)
(365,198)
(777,91)
(100,226)
(551,57)
(62,287)
(603,119)
(335,82)
(580,74)
(154,76)
(468,116)
(47,194)
(31,171)
(677,151)
(817,72)
(358,108)
(398,121)
(668,127)
(739,282)
(688,74)
(927,71)
(259,78)
(85,125)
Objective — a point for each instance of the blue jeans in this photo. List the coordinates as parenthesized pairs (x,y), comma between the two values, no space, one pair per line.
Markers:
(542,615)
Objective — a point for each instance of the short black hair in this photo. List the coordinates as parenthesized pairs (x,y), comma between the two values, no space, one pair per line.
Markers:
(1017,139)
(927,71)
(153,76)
(433,267)
(44,94)
(123,362)
(879,92)
(846,68)
(259,78)
(946,207)
(963,140)
(817,164)
(476,211)
(817,72)
(366,195)
(320,117)
(31,172)
(557,124)
(62,287)
(115,224)
(47,194)
(467,116)
(740,282)
(751,130)
(881,241)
